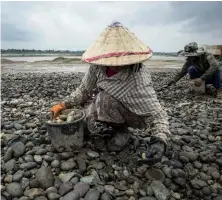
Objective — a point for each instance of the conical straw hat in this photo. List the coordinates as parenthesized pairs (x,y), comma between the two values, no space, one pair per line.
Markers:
(117,46)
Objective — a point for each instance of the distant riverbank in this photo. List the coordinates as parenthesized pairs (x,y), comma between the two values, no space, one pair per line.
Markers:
(68,59)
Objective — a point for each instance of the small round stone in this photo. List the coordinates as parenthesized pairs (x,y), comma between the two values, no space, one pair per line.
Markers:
(14,189)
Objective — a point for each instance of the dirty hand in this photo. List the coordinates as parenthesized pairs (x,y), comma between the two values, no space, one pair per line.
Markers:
(198,82)
(57,108)
(154,152)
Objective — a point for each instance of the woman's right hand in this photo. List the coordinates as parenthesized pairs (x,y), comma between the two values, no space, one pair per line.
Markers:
(57,108)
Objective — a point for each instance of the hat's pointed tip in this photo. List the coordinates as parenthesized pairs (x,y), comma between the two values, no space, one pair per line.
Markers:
(115,24)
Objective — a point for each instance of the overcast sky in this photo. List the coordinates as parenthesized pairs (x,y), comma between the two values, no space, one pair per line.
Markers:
(163,26)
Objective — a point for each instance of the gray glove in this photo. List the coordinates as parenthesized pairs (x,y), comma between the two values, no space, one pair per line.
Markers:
(154,152)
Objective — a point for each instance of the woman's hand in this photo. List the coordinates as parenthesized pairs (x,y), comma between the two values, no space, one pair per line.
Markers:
(57,108)
(154,152)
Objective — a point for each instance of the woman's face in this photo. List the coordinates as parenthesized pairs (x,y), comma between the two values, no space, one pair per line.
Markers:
(119,68)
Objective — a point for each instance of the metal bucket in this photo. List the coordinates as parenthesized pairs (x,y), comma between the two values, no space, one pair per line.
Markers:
(67,136)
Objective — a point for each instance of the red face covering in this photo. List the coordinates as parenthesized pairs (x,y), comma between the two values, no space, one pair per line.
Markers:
(110,72)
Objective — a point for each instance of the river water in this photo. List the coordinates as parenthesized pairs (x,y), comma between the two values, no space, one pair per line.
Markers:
(47,67)
(50,58)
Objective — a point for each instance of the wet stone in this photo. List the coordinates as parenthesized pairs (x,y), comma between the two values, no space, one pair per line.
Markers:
(18,149)
(155,174)
(65,188)
(67,165)
(10,165)
(18,175)
(14,189)
(45,177)
(55,164)
(53,196)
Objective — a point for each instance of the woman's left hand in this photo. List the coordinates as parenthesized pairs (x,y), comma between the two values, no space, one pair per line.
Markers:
(154,153)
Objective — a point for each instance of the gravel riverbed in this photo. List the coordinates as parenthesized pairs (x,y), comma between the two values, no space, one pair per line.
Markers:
(31,169)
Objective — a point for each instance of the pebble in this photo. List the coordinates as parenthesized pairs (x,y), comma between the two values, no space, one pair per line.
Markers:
(160,191)
(65,188)
(24,182)
(109,189)
(8,154)
(73,195)
(55,164)
(197,164)
(67,165)
(147,198)
(215,175)
(51,190)
(155,174)
(175,195)
(34,192)
(28,165)
(41,198)
(105,196)
(41,152)
(192,156)
(38,159)
(92,194)
(88,179)
(28,158)
(18,149)
(149,191)
(18,175)
(129,192)
(65,177)
(10,165)
(18,126)
(67,155)
(53,196)
(45,177)
(14,189)
(34,183)
(82,188)
(92,154)
(206,191)
(198,184)
(26,198)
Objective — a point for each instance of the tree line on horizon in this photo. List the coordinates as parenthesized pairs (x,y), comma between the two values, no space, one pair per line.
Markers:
(34,51)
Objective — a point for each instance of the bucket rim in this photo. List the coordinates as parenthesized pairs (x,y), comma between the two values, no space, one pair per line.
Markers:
(69,123)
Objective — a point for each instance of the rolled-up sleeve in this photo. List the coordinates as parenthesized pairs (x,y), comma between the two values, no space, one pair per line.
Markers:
(213,66)
(84,91)
(141,99)
(157,119)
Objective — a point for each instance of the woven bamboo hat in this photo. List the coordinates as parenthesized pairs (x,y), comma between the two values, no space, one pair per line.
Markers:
(192,49)
(117,46)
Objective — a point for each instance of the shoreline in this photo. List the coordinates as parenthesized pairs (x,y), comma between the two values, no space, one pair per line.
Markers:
(63,64)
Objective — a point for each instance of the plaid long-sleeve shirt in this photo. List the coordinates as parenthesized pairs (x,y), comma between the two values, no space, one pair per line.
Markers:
(132,88)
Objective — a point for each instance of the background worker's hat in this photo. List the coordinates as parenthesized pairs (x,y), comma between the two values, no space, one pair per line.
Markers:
(191,49)
(117,46)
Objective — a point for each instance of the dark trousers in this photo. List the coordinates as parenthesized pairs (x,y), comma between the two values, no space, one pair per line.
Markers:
(215,79)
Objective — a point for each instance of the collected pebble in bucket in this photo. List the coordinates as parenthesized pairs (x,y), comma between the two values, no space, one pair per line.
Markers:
(67,117)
